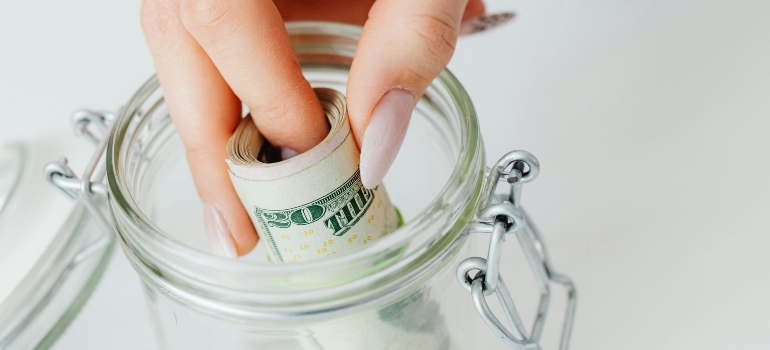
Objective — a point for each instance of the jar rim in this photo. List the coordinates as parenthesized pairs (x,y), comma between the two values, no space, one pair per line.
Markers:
(470,160)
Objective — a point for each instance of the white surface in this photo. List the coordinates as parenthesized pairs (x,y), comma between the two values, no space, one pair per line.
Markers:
(29,226)
(56,57)
(650,120)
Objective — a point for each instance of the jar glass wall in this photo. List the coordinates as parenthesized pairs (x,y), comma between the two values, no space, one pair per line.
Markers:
(399,292)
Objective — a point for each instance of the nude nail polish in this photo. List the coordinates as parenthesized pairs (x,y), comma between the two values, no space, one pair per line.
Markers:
(385,134)
(220,240)
(486,22)
(288,153)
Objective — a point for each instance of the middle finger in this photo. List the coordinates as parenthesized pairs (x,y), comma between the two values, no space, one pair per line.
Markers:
(248,43)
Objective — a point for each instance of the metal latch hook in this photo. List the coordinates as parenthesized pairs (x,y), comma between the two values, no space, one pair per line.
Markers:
(504,214)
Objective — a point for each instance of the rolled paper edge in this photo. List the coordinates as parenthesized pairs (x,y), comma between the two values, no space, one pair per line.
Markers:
(272,171)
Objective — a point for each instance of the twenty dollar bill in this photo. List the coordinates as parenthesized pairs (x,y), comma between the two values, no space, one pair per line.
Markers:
(313,205)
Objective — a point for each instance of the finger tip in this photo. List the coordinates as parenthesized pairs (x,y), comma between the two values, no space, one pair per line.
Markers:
(220,240)
(288,153)
(230,231)
(370,175)
(384,135)
(375,160)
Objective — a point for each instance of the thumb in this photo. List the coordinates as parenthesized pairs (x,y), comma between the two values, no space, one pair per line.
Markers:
(405,44)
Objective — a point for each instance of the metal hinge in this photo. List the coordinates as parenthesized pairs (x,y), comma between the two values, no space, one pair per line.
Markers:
(89,188)
(502,215)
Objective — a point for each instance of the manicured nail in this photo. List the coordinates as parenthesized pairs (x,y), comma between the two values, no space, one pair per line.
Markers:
(384,135)
(287,153)
(484,23)
(220,241)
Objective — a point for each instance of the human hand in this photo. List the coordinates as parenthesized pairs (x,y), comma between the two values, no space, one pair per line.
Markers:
(212,55)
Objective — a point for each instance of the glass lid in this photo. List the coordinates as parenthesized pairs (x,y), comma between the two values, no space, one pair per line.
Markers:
(13,156)
(44,273)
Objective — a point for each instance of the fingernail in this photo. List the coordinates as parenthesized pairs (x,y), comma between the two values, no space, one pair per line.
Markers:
(287,153)
(220,241)
(486,22)
(384,135)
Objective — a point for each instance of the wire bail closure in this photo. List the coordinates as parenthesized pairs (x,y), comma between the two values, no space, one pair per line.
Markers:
(502,215)
(89,188)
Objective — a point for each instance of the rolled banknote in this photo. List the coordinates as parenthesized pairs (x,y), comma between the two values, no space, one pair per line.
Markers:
(313,205)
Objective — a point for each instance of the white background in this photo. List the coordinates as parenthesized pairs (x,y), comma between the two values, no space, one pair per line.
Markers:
(650,120)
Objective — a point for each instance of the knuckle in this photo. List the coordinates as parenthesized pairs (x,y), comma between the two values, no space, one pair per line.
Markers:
(274,112)
(436,33)
(199,152)
(203,14)
(158,17)
(419,73)
(283,103)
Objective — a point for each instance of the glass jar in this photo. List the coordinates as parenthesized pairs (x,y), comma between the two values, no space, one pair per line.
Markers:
(52,251)
(401,292)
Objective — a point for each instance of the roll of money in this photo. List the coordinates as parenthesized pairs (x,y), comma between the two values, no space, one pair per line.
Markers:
(313,205)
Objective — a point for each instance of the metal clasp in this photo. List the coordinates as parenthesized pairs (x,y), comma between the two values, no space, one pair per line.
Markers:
(89,188)
(502,215)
